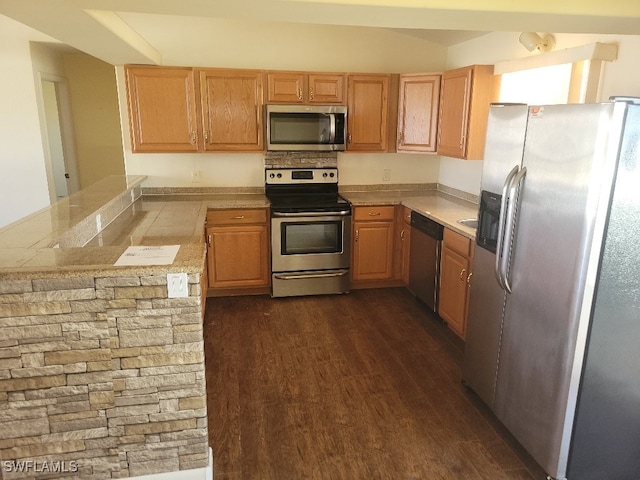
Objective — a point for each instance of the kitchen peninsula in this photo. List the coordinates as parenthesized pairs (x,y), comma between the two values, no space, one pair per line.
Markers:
(99,369)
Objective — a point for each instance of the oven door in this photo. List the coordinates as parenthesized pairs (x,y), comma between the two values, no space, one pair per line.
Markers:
(310,241)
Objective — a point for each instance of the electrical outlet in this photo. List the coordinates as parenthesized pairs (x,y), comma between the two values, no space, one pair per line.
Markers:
(177,285)
(386,175)
(195,176)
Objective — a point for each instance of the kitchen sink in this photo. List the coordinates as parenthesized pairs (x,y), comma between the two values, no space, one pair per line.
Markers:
(469,222)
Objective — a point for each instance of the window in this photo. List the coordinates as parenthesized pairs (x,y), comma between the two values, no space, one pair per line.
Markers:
(537,86)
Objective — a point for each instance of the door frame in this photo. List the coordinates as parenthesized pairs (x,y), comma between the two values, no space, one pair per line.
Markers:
(66,132)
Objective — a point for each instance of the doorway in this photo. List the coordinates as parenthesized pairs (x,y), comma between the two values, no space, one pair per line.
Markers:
(59,152)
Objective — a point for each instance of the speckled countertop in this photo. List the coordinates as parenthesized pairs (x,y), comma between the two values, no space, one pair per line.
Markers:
(442,207)
(64,240)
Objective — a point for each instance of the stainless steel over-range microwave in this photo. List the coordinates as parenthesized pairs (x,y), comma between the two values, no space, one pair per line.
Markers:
(306,127)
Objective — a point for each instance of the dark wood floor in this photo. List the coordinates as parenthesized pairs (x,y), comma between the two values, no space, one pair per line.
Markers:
(359,386)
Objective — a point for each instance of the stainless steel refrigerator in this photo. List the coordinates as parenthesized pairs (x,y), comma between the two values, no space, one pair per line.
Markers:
(553,335)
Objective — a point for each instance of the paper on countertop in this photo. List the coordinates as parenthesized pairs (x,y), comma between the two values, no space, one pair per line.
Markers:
(148,255)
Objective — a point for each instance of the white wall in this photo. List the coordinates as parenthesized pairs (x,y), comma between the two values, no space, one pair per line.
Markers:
(23,180)
(621,77)
(258,45)
(96,117)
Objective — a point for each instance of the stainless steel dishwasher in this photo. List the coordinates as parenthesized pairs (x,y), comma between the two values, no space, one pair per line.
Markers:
(424,259)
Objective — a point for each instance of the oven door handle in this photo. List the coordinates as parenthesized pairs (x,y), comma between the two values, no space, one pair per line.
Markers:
(310,214)
(286,276)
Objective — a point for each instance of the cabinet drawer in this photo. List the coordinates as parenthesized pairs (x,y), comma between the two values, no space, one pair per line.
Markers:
(236,216)
(457,242)
(377,213)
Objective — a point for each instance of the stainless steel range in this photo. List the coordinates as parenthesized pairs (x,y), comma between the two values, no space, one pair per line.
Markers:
(310,232)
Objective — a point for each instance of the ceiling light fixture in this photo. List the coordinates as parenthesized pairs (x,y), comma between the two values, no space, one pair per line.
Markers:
(535,43)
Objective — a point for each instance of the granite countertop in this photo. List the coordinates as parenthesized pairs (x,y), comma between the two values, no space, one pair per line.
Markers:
(441,207)
(65,239)
(86,233)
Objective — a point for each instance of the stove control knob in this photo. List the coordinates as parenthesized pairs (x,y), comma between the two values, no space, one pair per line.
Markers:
(272,175)
(279,175)
(332,174)
(325,174)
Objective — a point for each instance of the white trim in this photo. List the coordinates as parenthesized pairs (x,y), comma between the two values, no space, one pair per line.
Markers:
(593,51)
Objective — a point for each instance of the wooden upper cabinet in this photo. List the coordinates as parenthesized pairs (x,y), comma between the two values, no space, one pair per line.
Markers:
(306,88)
(325,88)
(162,109)
(465,96)
(285,87)
(418,102)
(232,110)
(368,110)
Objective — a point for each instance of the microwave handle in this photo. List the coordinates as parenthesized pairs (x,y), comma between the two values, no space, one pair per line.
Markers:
(332,133)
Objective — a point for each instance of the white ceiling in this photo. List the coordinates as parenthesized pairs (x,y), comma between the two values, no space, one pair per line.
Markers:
(117,31)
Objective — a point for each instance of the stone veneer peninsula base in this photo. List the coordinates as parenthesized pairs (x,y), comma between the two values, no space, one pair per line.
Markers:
(101,377)
(102,374)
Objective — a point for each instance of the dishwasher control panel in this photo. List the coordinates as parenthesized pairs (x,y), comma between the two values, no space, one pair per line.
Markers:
(426,225)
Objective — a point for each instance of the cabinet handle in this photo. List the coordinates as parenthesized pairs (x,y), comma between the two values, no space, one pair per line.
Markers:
(374,214)
(311,94)
(210,241)
(357,234)
(469,279)
(402,234)
(349,138)
(206,137)
(238,217)
(300,94)
(194,138)
(462,274)
(400,138)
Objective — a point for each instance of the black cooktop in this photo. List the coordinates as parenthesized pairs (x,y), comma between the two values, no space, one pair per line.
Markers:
(304,190)
(285,203)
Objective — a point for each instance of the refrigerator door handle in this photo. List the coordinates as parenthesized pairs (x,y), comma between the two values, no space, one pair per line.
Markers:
(510,224)
(501,224)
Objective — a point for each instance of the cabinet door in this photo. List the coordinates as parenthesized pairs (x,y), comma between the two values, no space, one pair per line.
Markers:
(373,251)
(454,112)
(418,104)
(368,112)
(403,224)
(285,87)
(232,110)
(162,109)
(238,256)
(465,96)
(326,88)
(452,306)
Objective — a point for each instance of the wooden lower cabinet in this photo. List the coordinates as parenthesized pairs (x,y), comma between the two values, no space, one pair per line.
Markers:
(238,251)
(380,249)
(373,232)
(403,237)
(455,276)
